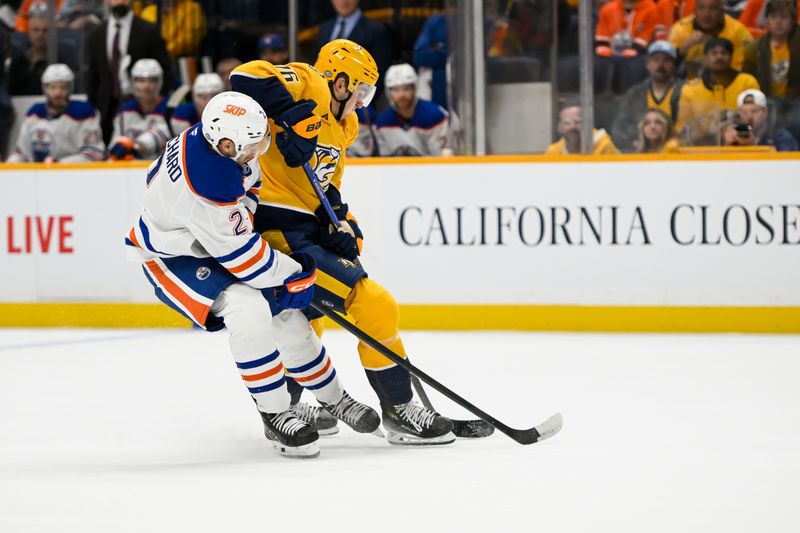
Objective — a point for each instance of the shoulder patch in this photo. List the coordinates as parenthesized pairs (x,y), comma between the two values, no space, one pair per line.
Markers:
(37,110)
(427,115)
(186,112)
(387,118)
(215,178)
(80,110)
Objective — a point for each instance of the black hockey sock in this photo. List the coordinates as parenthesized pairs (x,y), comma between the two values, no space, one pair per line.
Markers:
(295,390)
(392,385)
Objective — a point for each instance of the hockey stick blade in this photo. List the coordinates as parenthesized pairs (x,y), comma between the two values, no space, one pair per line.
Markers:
(543,431)
(463,429)
(472,429)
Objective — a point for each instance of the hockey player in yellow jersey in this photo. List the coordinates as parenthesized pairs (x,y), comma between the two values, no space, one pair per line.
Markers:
(312,109)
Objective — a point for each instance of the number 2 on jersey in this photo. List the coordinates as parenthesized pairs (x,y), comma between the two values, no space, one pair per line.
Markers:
(240,226)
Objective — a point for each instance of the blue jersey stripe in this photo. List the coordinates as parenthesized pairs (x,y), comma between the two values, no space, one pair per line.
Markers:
(265,388)
(259,362)
(320,385)
(262,269)
(237,253)
(310,365)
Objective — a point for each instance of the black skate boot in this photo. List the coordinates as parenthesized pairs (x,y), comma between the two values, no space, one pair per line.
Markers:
(289,435)
(362,418)
(316,417)
(410,424)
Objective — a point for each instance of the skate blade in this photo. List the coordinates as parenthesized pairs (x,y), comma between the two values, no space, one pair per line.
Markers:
(328,432)
(404,439)
(378,433)
(307,451)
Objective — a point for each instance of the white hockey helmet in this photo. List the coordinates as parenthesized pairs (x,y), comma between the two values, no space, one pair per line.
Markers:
(148,68)
(236,116)
(399,75)
(208,84)
(58,72)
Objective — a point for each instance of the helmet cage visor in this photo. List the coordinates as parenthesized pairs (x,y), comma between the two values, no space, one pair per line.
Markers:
(364,93)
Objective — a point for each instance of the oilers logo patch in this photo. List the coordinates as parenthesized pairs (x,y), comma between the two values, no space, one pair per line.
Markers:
(325,165)
(203,273)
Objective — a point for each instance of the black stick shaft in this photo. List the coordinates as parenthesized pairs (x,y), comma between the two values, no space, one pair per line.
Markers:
(389,354)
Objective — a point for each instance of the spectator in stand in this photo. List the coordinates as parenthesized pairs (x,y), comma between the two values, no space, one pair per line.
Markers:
(690,34)
(272,47)
(350,23)
(754,112)
(25,70)
(59,129)
(656,134)
(80,14)
(205,87)
(624,30)
(569,126)
(224,69)
(122,40)
(661,91)
(702,99)
(140,129)
(24,13)
(183,27)
(430,52)
(755,14)
(671,11)
(411,126)
(774,59)
(733,131)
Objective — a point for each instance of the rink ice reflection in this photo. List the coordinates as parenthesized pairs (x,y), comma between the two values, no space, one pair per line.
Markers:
(118,430)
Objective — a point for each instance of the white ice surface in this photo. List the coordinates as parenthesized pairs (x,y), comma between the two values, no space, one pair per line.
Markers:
(152,431)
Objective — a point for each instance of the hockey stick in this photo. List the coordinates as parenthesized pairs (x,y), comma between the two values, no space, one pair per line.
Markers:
(545,430)
(461,428)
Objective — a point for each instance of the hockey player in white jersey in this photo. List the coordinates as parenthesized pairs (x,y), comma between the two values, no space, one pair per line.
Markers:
(140,127)
(196,241)
(205,87)
(59,129)
(411,126)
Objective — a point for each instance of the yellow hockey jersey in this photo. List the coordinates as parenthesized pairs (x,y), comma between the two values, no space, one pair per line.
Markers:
(287,187)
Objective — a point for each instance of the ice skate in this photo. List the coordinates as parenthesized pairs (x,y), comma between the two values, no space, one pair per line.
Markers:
(290,436)
(362,418)
(410,424)
(316,417)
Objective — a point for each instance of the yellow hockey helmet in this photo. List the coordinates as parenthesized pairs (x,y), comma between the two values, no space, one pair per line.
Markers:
(343,56)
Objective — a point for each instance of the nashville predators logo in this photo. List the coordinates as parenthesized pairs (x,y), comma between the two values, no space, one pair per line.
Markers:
(325,165)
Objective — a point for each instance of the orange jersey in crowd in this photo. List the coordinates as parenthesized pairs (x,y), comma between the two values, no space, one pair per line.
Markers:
(672,10)
(754,16)
(638,28)
(22,12)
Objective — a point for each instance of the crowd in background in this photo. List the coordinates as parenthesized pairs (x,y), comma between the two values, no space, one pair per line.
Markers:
(668,74)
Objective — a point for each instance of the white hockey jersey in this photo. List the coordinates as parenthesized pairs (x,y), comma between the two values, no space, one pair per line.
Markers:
(425,134)
(73,136)
(201,204)
(148,130)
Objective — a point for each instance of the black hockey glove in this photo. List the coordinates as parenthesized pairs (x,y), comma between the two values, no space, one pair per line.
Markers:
(346,241)
(299,139)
